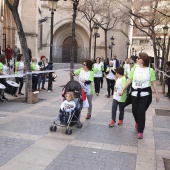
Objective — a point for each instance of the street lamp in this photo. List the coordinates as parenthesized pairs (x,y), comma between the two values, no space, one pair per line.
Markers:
(165,31)
(158,39)
(128,43)
(95,28)
(52,7)
(133,50)
(111,46)
(75,5)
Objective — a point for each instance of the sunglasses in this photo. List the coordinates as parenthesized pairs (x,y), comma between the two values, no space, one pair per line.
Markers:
(84,64)
(138,58)
(131,63)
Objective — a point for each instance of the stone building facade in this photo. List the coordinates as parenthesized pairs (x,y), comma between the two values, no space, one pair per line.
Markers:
(140,41)
(38,35)
(7,27)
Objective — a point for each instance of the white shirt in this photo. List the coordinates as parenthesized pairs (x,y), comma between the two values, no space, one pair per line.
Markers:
(5,69)
(21,66)
(99,67)
(127,72)
(37,66)
(141,79)
(114,63)
(117,89)
(68,105)
(84,76)
(110,75)
(126,66)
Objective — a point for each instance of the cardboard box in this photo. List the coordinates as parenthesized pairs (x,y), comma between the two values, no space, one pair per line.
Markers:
(33,97)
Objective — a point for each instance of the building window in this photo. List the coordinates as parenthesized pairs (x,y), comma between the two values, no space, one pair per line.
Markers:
(141,42)
(158,30)
(139,32)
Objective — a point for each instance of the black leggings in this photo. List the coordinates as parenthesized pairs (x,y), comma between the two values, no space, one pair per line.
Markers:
(20,81)
(139,107)
(97,84)
(34,82)
(101,80)
(110,85)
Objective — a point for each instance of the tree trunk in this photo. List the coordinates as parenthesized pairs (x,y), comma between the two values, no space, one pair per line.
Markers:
(90,42)
(23,42)
(155,58)
(105,32)
(75,4)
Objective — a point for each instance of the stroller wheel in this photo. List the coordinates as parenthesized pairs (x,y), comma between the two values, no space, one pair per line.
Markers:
(68,131)
(79,125)
(53,128)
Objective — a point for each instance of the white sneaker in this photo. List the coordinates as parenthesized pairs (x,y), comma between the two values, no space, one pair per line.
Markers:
(57,122)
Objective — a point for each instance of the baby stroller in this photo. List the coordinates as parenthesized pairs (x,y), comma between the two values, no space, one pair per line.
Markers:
(74,116)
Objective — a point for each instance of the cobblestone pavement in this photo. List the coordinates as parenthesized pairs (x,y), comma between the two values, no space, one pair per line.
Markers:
(27,144)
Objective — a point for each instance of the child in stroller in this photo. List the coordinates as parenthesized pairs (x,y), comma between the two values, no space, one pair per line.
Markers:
(70,116)
(66,108)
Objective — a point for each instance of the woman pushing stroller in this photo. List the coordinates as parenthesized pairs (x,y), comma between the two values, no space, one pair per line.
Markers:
(86,77)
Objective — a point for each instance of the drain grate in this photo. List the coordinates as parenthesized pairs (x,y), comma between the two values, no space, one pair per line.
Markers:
(166,163)
(160,112)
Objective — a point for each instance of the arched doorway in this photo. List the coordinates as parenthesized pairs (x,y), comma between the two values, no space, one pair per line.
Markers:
(66,50)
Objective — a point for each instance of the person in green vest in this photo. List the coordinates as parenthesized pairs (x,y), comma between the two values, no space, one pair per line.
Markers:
(117,99)
(86,77)
(34,67)
(141,77)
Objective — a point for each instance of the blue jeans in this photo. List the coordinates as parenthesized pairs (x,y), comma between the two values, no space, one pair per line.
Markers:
(41,79)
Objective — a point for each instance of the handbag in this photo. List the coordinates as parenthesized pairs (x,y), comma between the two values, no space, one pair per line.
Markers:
(85,103)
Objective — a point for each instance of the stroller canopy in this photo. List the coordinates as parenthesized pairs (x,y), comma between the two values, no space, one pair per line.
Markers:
(73,86)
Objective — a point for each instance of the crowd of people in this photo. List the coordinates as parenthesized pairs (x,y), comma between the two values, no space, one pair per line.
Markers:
(17,67)
(129,83)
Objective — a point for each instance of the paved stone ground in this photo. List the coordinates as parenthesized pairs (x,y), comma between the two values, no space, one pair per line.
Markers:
(27,144)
